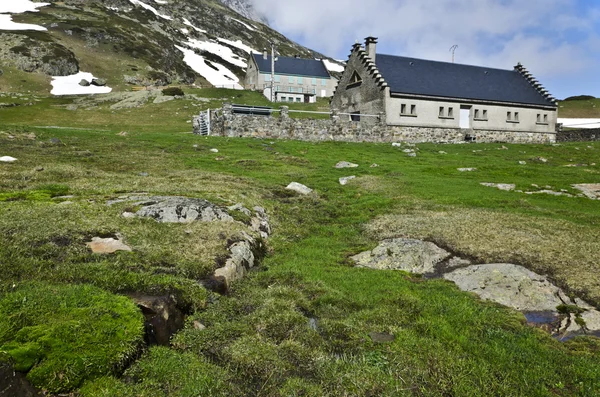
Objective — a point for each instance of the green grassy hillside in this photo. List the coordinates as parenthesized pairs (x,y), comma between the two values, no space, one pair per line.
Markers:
(584,109)
(300,325)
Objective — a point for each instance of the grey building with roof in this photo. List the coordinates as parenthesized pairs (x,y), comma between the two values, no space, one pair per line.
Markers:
(482,103)
(295,79)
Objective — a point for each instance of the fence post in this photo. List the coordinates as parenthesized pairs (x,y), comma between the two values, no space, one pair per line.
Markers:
(335,117)
(284,112)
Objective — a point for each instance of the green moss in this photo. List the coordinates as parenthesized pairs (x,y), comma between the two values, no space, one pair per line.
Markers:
(164,372)
(62,335)
(570,309)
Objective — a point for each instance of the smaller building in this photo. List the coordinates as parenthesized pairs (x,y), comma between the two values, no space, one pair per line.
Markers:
(295,79)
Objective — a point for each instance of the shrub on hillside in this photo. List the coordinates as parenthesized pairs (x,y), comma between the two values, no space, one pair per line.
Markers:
(580,98)
(173,91)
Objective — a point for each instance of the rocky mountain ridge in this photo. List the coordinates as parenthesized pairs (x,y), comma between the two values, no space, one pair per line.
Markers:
(133,42)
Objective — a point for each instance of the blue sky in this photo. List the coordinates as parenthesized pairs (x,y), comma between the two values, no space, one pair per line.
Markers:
(557,40)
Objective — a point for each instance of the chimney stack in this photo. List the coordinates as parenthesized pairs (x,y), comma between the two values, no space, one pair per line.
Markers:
(265,56)
(371,47)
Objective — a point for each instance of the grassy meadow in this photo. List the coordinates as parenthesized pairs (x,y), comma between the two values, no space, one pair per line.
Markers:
(301,324)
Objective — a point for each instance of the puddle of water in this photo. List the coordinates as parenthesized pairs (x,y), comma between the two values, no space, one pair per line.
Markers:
(545,317)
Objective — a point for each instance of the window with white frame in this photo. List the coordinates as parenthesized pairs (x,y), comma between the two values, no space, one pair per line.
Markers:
(314,81)
(323,82)
(267,77)
(291,79)
(277,79)
(300,80)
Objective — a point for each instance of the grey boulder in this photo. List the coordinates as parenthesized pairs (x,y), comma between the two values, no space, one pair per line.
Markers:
(414,256)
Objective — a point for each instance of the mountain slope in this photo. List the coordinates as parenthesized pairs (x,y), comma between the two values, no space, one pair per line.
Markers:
(246,8)
(134,42)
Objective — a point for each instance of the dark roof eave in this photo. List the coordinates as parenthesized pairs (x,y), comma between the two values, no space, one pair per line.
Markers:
(468,100)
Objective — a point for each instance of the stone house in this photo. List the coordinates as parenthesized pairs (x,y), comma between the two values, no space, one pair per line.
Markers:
(295,79)
(444,98)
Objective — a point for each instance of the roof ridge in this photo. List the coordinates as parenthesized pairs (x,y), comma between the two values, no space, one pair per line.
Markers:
(445,62)
(535,83)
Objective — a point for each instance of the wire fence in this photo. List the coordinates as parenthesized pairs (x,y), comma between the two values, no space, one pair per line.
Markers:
(244,109)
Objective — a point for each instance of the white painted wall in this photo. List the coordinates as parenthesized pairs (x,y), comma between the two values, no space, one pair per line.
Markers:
(428,115)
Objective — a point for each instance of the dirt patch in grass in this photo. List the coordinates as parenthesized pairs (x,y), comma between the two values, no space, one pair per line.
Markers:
(565,251)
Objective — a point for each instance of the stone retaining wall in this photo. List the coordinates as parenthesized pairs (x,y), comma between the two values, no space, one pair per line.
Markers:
(579,135)
(226,123)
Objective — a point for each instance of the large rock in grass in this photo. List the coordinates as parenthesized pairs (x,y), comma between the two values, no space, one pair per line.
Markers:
(510,285)
(410,255)
(299,188)
(182,210)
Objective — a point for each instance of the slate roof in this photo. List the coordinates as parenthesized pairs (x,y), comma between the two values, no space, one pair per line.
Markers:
(293,66)
(442,79)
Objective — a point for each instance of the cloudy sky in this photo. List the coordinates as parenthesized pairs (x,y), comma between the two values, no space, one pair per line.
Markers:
(557,40)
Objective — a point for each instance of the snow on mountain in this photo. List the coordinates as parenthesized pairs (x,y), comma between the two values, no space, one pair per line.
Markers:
(580,123)
(69,85)
(238,44)
(6,23)
(217,75)
(168,41)
(19,6)
(188,23)
(251,28)
(8,7)
(150,8)
(221,51)
(333,67)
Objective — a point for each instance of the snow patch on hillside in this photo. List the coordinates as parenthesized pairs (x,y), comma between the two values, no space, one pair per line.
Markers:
(69,85)
(580,123)
(188,23)
(6,23)
(238,44)
(333,67)
(252,28)
(19,6)
(219,77)
(150,8)
(219,50)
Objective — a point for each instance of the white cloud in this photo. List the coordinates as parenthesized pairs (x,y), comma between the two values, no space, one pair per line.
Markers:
(550,37)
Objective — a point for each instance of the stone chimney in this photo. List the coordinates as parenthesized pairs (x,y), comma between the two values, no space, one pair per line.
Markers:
(265,56)
(371,47)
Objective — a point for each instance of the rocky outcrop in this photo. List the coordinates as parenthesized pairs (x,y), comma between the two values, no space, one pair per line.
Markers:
(413,256)
(299,188)
(241,260)
(108,245)
(345,164)
(543,303)
(174,209)
(510,285)
(245,252)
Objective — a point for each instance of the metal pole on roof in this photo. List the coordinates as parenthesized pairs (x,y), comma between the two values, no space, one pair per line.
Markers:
(453,49)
